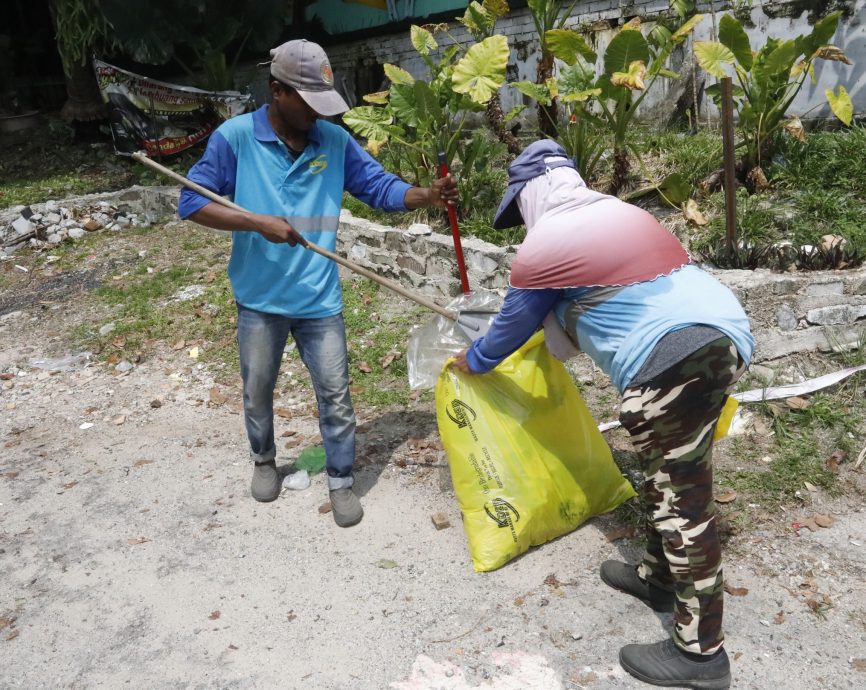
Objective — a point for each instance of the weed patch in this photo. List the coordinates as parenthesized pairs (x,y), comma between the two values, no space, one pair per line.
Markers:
(377,344)
(47,163)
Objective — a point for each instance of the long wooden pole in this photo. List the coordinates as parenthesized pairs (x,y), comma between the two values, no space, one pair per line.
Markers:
(355,268)
(730,179)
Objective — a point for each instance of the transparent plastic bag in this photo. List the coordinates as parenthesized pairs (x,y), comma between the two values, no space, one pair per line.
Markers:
(64,363)
(432,343)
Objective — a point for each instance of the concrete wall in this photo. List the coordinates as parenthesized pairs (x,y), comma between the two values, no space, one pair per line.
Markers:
(600,19)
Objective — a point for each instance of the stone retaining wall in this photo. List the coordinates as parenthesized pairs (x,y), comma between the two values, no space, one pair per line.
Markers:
(790,312)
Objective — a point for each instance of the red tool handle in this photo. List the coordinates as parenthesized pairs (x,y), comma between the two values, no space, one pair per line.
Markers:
(455,231)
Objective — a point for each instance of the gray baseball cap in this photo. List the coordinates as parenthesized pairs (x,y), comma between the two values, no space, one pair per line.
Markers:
(305,67)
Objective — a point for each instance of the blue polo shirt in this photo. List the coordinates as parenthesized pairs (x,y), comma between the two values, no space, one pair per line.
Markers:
(246,161)
(618,327)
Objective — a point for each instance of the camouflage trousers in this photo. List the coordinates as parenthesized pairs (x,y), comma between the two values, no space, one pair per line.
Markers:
(671,420)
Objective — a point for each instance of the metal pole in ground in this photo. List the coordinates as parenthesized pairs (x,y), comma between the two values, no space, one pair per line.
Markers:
(730,177)
(455,230)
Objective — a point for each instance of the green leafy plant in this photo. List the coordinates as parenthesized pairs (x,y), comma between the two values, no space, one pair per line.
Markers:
(631,64)
(414,120)
(80,29)
(547,16)
(204,37)
(767,81)
(480,20)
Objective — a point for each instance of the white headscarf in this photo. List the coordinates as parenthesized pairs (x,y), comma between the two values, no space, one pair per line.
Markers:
(558,190)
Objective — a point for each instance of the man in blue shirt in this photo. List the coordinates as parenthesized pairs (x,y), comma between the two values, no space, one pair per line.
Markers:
(673,341)
(290,168)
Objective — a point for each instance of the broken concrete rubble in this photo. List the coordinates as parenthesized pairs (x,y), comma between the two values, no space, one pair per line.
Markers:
(51,223)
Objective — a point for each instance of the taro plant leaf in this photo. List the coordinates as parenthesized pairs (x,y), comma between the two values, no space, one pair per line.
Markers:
(714,91)
(375,147)
(475,19)
(688,26)
(626,47)
(369,122)
(675,189)
(498,8)
(575,78)
(422,40)
(822,33)
(378,98)
(426,102)
(692,213)
(537,92)
(480,18)
(514,112)
(781,59)
(402,103)
(633,79)
(660,37)
(795,128)
(398,75)
(733,36)
(841,104)
(567,45)
(831,53)
(579,96)
(683,8)
(712,56)
(481,71)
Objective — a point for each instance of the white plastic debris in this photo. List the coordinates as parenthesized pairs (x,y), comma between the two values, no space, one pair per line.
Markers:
(22,226)
(297,481)
(64,363)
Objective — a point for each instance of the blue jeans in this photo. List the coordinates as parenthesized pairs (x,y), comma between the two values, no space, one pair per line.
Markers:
(322,346)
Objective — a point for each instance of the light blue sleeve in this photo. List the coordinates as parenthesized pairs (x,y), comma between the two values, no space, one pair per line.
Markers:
(521,314)
(367,180)
(216,170)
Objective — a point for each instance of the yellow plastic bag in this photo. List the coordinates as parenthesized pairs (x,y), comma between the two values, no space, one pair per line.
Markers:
(723,426)
(527,460)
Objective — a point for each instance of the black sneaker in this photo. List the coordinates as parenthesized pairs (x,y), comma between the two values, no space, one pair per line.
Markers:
(624,577)
(266,482)
(346,507)
(663,663)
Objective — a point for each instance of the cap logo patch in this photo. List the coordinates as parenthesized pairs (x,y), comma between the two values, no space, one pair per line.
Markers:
(327,74)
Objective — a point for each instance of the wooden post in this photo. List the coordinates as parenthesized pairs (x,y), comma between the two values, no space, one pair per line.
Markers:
(730,177)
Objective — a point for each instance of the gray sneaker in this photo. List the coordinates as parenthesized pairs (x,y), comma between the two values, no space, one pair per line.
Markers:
(346,507)
(266,482)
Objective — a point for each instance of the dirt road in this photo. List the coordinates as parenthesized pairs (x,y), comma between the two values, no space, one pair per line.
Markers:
(132,556)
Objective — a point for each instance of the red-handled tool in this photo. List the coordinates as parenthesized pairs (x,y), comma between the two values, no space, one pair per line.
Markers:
(455,231)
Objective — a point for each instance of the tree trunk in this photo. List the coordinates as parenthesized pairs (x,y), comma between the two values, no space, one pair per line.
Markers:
(84,102)
(620,171)
(496,118)
(548,115)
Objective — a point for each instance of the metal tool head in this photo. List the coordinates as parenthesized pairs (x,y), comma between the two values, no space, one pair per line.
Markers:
(474,323)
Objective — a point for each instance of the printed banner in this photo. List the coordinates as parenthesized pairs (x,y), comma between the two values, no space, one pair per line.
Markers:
(161,118)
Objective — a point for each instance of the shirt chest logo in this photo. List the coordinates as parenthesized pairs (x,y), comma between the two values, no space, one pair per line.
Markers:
(318,164)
